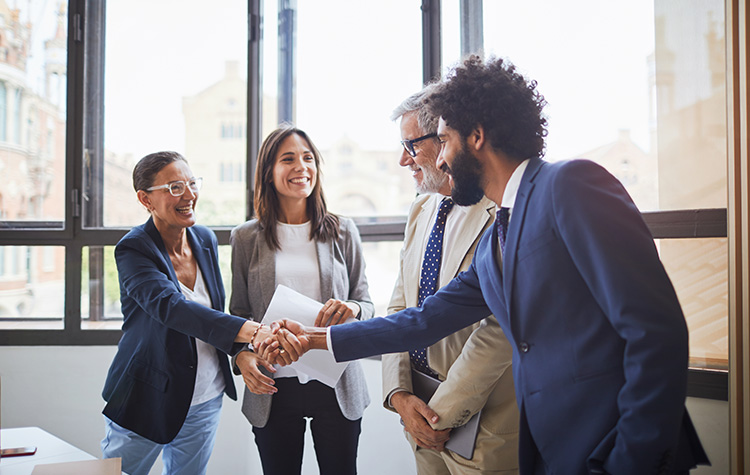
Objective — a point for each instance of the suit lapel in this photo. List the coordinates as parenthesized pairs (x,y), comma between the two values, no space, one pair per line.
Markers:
(202,253)
(265,272)
(516,227)
(471,227)
(325,267)
(151,230)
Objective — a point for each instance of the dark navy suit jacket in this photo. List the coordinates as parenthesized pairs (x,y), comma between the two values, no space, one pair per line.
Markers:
(151,380)
(600,342)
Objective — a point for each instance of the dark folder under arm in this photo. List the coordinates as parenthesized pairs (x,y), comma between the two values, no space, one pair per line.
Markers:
(463,437)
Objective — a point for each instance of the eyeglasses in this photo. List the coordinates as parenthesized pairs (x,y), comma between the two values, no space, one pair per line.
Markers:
(409,144)
(178,188)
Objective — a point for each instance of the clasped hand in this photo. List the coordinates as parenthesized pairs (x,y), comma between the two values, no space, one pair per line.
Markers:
(418,417)
(283,343)
(286,340)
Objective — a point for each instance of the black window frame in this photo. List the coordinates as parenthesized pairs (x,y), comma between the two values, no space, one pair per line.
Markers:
(85,92)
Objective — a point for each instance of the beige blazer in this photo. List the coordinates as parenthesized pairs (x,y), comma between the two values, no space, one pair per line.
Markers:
(342,276)
(474,363)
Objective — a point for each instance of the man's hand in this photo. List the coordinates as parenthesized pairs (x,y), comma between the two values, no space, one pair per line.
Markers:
(257,382)
(417,416)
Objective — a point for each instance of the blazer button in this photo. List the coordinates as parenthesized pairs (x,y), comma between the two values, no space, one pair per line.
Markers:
(524,347)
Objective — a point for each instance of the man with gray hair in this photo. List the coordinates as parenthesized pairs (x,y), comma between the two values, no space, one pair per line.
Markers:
(473,364)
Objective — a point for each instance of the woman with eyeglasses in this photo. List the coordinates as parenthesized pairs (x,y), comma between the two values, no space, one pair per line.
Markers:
(296,242)
(165,385)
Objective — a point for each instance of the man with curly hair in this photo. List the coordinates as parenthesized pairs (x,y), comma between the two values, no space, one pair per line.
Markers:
(571,272)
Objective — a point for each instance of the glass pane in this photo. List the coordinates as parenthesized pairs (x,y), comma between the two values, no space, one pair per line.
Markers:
(32,287)
(350,75)
(100,292)
(191,98)
(33,80)
(269,80)
(382,260)
(641,90)
(698,269)
(450,33)
(225,265)
(100,289)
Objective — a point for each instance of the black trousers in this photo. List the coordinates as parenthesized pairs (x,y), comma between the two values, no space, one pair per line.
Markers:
(281,441)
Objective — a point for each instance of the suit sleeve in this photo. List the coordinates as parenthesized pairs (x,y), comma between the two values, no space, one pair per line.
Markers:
(615,255)
(148,285)
(455,306)
(484,359)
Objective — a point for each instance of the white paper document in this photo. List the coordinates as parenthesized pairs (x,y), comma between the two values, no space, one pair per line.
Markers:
(318,365)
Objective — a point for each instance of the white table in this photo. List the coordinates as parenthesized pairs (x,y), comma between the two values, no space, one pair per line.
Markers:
(49,449)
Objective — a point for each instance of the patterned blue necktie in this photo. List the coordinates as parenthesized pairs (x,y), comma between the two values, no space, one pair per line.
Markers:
(428,281)
(501,221)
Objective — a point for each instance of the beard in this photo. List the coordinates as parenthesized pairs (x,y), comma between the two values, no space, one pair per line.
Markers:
(467,178)
(433,180)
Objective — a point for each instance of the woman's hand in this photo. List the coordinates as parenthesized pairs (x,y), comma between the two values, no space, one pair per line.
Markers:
(286,343)
(335,312)
(257,382)
(269,350)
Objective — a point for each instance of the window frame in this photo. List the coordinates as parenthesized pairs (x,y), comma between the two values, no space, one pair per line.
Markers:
(85,79)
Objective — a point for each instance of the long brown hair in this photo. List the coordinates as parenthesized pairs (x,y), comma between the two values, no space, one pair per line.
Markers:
(325,225)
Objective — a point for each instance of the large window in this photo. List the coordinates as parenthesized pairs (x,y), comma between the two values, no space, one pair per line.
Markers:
(340,82)
(647,100)
(639,87)
(33,41)
(178,84)
(33,44)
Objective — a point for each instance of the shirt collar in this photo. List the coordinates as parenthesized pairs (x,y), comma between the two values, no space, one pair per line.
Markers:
(511,188)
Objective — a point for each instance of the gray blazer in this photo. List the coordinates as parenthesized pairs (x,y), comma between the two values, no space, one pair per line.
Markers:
(342,276)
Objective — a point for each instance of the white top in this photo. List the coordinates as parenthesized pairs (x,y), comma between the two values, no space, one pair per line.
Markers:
(297,268)
(209,382)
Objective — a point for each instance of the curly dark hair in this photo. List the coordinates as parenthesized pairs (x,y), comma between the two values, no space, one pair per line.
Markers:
(495,96)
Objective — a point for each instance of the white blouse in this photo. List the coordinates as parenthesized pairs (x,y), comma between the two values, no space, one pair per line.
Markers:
(209,382)
(297,268)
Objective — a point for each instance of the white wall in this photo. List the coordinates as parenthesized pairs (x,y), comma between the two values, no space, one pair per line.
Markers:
(59,390)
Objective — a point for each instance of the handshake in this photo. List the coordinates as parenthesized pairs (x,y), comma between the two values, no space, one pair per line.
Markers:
(284,342)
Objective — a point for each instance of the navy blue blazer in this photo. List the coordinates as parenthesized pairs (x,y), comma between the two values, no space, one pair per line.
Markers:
(151,380)
(600,342)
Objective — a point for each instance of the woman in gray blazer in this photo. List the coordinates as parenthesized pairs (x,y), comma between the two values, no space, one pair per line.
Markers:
(296,242)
